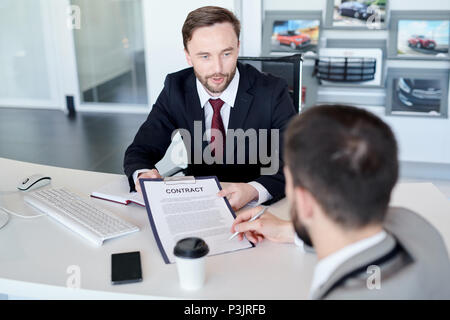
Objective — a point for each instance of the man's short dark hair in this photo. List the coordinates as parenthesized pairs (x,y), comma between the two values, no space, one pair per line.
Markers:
(347,159)
(205,17)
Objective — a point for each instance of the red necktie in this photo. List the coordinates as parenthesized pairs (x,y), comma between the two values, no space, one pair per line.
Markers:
(217,124)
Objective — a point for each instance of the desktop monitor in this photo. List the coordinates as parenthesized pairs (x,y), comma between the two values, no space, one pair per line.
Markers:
(286,67)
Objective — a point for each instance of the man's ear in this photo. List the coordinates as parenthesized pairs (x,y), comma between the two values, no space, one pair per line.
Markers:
(305,204)
(188,57)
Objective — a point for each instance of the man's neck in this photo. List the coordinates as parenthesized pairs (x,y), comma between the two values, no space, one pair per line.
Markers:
(338,239)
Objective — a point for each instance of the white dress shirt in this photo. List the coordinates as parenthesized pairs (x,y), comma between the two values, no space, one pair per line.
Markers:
(228,96)
(325,267)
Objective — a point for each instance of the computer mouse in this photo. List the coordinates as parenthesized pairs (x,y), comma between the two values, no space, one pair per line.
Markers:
(33,182)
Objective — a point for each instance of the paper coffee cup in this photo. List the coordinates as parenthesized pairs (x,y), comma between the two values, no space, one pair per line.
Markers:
(190,259)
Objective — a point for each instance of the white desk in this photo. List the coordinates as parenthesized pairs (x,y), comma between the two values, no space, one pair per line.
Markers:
(36,253)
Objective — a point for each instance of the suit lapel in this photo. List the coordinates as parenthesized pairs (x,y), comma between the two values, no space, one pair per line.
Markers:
(194,111)
(239,112)
(361,260)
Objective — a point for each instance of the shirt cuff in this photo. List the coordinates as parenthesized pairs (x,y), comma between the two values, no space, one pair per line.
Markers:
(263,194)
(136,173)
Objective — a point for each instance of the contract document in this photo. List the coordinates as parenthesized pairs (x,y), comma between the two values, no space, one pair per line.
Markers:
(189,207)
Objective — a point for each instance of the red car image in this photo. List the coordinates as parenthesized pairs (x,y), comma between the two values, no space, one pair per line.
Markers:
(293,39)
(421,42)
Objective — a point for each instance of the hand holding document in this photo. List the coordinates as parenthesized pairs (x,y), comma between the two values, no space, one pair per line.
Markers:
(189,208)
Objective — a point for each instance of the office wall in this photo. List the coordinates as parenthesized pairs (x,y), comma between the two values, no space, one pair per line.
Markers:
(106,24)
(320,4)
(420,139)
(251,30)
(293,5)
(25,71)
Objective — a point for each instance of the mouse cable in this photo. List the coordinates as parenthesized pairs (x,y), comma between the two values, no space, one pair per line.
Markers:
(22,216)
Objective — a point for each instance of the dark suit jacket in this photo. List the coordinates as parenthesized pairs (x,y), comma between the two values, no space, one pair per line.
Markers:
(262,102)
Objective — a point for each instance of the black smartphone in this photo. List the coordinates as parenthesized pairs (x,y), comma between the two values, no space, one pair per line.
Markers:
(126,267)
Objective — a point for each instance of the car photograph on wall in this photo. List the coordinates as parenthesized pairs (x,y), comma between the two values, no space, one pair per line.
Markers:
(293,39)
(294,35)
(359,13)
(421,42)
(355,9)
(420,95)
(423,38)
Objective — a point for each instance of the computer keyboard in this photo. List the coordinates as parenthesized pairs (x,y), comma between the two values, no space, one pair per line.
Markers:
(79,215)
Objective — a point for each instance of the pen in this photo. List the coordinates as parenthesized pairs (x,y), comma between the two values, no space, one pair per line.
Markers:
(259,214)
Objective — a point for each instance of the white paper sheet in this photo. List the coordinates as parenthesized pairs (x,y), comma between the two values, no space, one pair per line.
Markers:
(190,209)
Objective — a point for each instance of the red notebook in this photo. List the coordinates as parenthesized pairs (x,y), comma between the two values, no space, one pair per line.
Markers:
(119,192)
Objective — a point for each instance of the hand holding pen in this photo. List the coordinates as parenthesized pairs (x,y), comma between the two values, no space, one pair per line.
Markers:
(259,214)
(258,224)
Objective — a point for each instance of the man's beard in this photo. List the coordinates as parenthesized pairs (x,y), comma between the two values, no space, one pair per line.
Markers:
(228,77)
(300,229)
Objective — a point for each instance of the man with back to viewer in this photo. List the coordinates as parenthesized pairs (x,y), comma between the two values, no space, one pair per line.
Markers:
(341,166)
